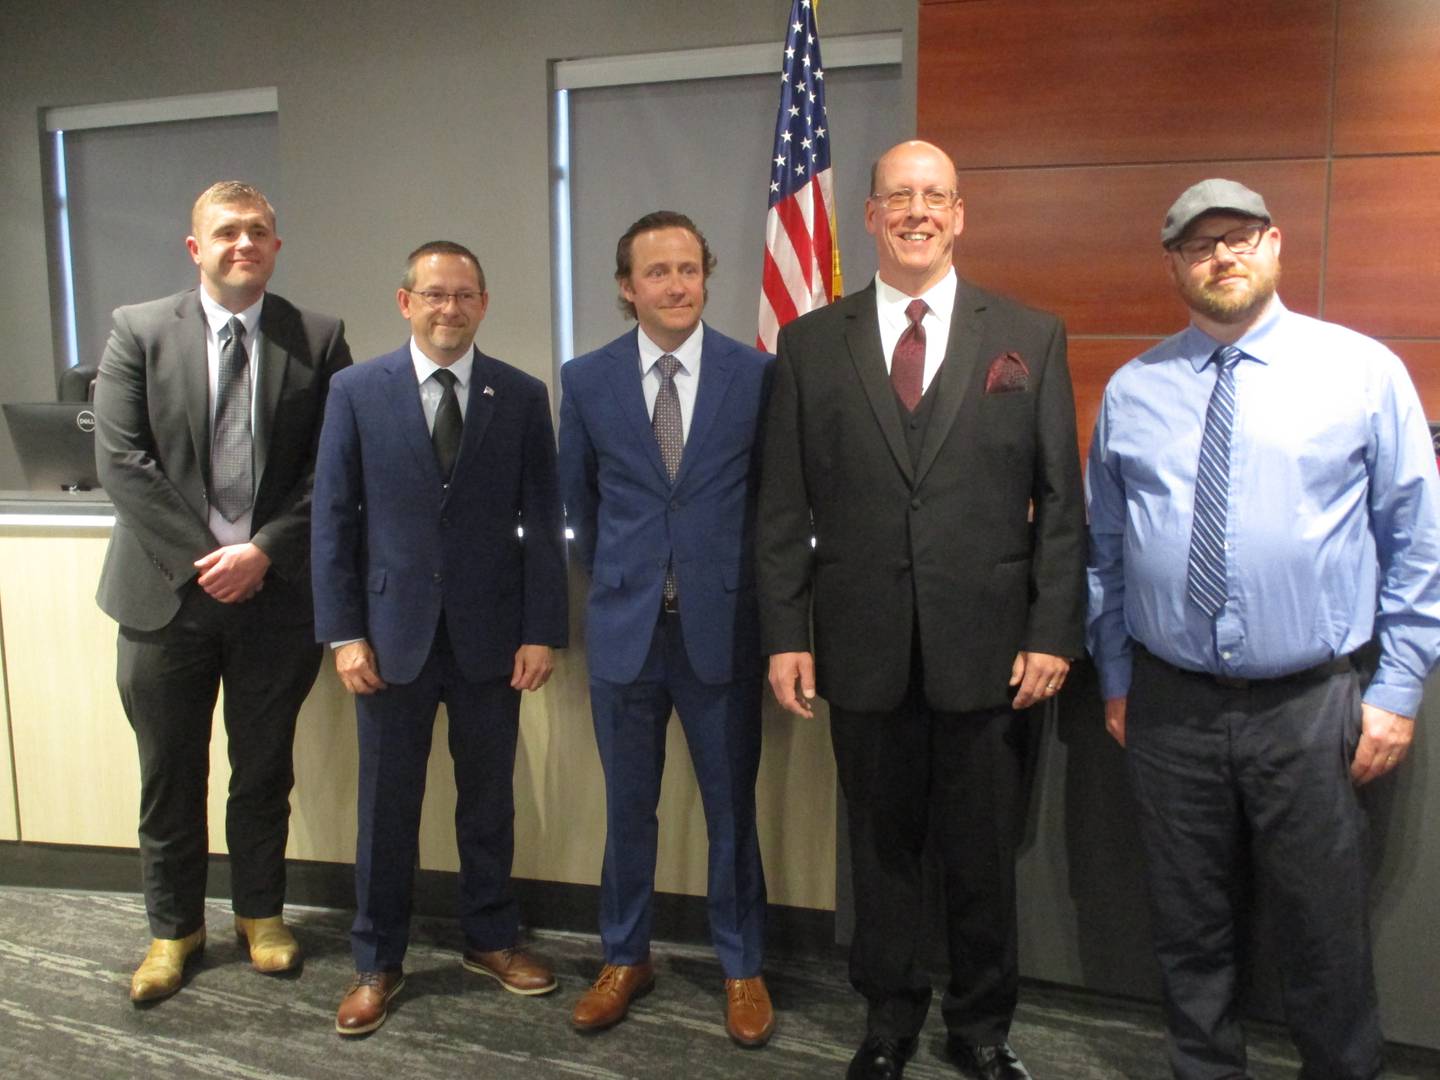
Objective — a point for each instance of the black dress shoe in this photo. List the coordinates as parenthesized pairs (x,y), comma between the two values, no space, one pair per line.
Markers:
(880,1058)
(986,1062)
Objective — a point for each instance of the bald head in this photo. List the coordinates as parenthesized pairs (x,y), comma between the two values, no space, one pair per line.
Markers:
(915,214)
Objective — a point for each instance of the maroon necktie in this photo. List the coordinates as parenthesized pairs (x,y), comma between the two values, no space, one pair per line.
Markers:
(907,365)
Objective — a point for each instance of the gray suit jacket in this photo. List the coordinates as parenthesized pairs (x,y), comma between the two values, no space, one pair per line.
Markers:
(152,444)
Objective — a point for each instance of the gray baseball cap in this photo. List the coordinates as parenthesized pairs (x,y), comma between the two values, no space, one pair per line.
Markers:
(1206,196)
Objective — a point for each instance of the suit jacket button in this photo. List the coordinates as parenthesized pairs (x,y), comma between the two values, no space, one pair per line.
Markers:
(437,577)
(675,504)
(914,504)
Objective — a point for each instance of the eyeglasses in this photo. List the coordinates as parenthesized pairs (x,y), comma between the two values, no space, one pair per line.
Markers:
(438,298)
(901,199)
(1241,241)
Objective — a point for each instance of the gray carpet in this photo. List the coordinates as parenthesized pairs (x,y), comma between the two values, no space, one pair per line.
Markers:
(66,959)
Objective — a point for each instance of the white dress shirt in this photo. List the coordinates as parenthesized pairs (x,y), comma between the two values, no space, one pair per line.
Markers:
(890,305)
(431,390)
(687,379)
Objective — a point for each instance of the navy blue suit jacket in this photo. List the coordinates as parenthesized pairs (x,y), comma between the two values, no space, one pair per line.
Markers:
(630,521)
(393,546)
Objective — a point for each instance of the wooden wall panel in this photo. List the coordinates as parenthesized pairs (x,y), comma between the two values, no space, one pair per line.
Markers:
(1386,97)
(1097,81)
(1382,266)
(1092,362)
(1422,358)
(1085,242)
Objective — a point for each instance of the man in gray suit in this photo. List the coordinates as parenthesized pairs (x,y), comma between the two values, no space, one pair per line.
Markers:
(208,407)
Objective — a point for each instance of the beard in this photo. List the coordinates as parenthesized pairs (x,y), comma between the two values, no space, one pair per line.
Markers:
(1230,305)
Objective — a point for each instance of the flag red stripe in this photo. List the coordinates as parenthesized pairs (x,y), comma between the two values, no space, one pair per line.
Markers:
(793,219)
(773,285)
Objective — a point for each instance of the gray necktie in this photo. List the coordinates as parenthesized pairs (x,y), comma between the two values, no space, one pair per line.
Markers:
(445,435)
(670,434)
(1207,580)
(232,444)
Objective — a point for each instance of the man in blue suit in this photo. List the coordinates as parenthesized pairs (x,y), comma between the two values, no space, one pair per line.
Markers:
(657,434)
(439,572)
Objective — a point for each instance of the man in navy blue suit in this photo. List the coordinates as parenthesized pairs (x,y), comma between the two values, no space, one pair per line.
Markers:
(658,468)
(439,573)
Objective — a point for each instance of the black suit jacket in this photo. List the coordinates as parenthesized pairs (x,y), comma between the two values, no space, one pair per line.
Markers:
(152,444)
(981,545)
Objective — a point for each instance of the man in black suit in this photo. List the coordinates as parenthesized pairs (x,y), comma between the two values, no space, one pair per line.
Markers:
(923,431)
(208,407)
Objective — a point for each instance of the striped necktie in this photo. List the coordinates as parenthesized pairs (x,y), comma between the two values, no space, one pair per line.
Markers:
(1207,579)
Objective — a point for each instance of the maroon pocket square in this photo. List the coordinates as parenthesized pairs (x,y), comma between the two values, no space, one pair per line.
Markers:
(1007,374)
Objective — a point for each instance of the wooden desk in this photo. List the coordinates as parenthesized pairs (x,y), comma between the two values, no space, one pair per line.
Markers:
(77,777)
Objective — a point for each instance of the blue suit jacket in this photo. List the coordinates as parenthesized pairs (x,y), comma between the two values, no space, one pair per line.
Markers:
(629,521)
(393,546)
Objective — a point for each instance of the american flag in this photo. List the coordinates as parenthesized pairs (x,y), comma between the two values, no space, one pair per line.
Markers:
(802,255)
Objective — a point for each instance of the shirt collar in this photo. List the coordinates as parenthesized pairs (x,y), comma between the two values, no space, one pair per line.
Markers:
(939,298)
(217,317)
(1262,342)
(688,352)
(425,367)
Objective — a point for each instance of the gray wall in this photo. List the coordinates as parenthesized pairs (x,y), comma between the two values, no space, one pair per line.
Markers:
(395,127)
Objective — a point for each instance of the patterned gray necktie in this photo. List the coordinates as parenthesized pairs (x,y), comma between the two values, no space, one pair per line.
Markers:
(232,444)
(445,435)
(1207,579)
(670,434)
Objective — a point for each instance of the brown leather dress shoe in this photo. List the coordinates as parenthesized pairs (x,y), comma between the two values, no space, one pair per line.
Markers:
(749,1016)
(272,947)
(514,969)
(367,1001)
(608,1000)
(158,975)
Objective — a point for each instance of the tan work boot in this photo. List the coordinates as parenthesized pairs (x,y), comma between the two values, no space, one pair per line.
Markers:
(158,975)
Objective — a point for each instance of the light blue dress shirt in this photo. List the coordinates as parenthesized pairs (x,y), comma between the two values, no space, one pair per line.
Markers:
(1333,526)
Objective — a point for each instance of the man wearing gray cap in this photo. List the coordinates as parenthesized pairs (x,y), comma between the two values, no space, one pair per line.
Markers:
(1263,501)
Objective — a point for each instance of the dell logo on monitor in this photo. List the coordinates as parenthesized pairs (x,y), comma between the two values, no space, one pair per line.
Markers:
(85,420)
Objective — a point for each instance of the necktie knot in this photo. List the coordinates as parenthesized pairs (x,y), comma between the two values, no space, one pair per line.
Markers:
(915,311)
(446,378)
(668,365)
(236,335)
(1226,357)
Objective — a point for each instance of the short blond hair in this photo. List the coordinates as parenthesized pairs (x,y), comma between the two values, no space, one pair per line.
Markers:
(228,193)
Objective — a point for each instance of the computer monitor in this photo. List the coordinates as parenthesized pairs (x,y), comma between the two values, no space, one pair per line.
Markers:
(55,441)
